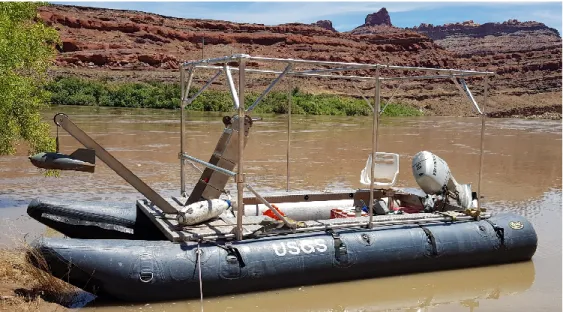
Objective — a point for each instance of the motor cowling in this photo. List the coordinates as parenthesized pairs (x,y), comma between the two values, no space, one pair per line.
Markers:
(433,176)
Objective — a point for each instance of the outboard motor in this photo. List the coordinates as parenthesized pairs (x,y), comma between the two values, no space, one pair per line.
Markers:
(434,177)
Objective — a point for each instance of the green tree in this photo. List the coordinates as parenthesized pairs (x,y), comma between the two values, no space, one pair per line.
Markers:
(27,49)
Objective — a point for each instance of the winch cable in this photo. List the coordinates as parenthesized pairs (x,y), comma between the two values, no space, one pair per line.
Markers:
(57,140)
(193,165)
(198,257)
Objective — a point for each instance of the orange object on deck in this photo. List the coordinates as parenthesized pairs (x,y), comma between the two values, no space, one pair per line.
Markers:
(270,214)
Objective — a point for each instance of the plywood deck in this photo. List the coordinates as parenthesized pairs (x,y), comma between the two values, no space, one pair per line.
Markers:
(224,227)
(215,229)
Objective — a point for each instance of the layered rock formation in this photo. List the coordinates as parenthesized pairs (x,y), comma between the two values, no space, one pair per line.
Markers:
(125,39)
(472,29)
(525,55)
(141,46)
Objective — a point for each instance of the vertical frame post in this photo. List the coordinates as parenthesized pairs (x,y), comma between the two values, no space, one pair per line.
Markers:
(182,163)
(289,103)
(240,173)
(375,127)
(482,151)
(184,90)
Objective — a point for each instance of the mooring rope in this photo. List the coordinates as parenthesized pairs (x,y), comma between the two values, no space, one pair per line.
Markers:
(198,253)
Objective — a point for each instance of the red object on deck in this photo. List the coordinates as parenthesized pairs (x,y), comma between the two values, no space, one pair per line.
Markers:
(270,214)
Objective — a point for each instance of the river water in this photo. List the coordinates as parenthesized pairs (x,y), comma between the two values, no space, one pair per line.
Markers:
(522,173)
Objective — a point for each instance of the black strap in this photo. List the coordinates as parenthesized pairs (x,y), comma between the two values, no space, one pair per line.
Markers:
(57,140)
(235,252)
(499,230)
(230,250)
(431,239)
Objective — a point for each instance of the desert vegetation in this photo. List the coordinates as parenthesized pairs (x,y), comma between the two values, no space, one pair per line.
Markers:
(80,91)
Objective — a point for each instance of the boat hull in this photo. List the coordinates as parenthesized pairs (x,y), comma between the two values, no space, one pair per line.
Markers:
(161,270)
(94,220)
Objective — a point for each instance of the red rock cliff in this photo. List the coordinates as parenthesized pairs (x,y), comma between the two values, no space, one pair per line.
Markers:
(124,44)
(126,39)
(526,55)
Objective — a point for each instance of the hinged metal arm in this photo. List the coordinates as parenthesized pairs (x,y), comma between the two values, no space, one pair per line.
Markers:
(63,121)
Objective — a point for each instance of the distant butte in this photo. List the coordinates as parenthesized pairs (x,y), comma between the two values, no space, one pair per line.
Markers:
(380,17)
(377,23)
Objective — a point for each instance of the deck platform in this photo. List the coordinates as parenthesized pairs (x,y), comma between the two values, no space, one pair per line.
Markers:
(252,226)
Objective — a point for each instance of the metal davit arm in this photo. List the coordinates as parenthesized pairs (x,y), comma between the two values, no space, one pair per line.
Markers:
(63,121)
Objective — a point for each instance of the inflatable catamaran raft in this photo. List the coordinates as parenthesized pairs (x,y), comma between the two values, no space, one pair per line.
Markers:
(172,248)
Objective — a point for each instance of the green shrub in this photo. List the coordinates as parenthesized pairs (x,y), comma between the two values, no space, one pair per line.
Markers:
(75,91)
(27,50)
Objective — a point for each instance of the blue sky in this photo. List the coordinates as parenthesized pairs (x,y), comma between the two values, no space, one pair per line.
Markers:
(348,15)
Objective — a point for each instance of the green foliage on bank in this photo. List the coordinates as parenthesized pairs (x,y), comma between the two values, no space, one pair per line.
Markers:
(76,91)
(27,49)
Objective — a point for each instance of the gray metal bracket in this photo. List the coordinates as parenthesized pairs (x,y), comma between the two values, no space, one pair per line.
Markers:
(339,247)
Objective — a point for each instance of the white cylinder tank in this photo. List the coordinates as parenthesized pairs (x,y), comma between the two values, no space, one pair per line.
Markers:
(202,211)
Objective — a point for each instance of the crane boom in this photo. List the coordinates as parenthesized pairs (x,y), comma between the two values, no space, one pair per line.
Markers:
(63,121)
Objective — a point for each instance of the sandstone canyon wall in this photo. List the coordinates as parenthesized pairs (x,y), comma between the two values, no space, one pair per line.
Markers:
(131,45)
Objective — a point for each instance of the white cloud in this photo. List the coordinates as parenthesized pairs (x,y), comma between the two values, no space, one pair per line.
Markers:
(269,13)
(278,13)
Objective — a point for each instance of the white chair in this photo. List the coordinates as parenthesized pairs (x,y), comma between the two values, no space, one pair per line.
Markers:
(386,170)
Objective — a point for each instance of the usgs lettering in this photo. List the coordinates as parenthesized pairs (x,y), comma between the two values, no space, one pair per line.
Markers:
(306,246)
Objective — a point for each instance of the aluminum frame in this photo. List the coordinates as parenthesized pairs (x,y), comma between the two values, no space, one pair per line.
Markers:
(224,64)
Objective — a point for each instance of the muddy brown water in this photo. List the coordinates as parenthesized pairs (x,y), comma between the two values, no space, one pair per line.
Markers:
(522,173)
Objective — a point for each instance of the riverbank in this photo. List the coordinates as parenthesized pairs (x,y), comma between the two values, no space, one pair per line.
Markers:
(86,92)
(428,98)
(24,287)
(18,287)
